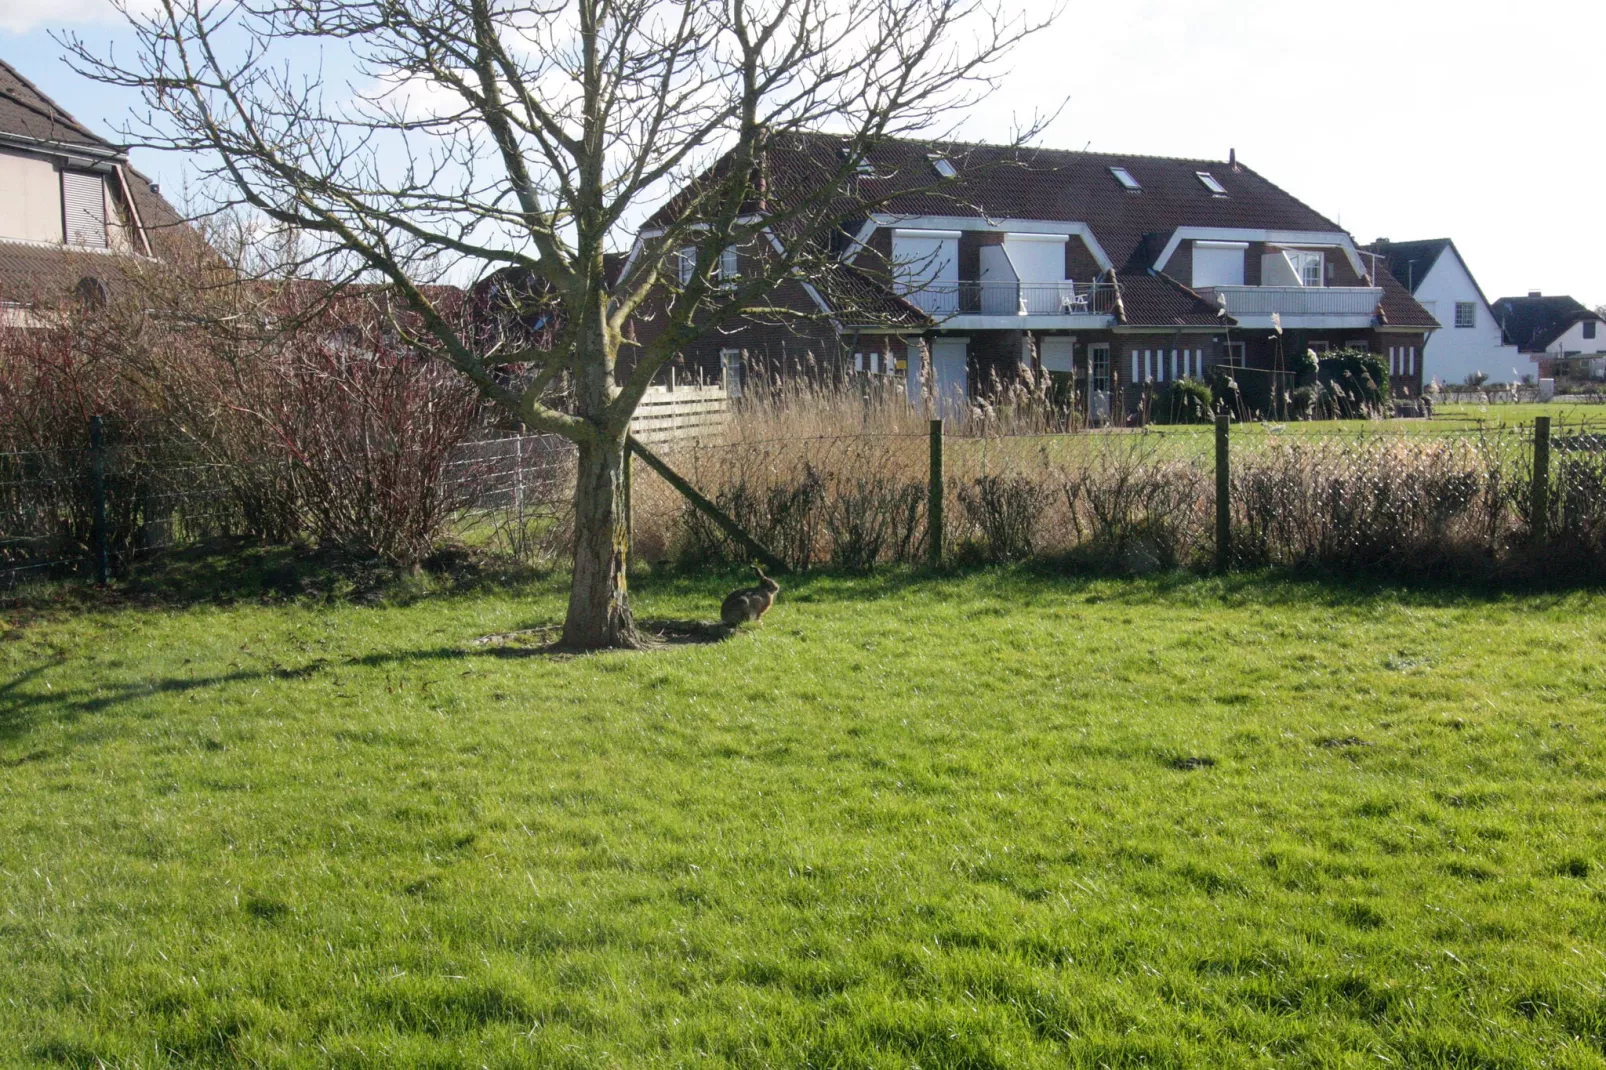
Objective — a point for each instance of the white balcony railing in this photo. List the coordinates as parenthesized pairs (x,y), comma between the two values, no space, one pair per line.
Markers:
(1013,298)
(1296,300)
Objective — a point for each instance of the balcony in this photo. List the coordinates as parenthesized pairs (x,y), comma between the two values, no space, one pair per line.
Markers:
(965,299)
(1298,306)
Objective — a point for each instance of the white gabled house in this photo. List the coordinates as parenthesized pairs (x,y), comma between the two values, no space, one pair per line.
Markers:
(1469,339)
(1558,334)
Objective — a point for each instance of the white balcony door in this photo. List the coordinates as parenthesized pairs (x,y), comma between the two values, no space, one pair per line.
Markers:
(926,266)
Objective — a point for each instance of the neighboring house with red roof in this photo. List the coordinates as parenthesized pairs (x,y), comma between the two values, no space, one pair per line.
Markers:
(1115,273)
(1557,333)
(1469,340)
(72,209)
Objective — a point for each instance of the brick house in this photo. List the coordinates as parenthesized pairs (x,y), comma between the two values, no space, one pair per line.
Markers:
(1113,274)
(73,212)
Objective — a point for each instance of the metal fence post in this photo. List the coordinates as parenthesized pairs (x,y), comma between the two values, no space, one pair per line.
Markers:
(630,506)
(97,488)
(1541,485)
(1223,501)
(934,525)
(518,476)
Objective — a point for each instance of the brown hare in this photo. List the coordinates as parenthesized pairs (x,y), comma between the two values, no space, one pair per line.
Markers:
(749,603)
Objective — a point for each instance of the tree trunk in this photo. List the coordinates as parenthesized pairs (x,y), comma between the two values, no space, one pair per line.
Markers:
(599,599)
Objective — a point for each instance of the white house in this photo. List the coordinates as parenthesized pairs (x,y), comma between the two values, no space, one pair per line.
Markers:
(1555,332)
(1470,339)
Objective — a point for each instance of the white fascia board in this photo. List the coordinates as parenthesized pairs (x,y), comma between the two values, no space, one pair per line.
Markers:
(921,232)
(1017,235)
(1174,328)
(991,226)
(1252,321)
(1322,239)
(1076,322)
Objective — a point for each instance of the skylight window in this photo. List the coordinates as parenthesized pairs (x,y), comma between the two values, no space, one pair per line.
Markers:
(1123,176)
(943,167)
(1211,184)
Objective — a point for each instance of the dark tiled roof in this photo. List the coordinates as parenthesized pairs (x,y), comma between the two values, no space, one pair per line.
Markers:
(858,298)
(27,112)
(1398,308)
(1532,323)
(48,273)
(1050,184)
(1410,261)
(1004,183)
(1161,300)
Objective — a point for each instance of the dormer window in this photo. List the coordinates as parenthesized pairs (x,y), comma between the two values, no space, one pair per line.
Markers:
(943,167)
(1123,176)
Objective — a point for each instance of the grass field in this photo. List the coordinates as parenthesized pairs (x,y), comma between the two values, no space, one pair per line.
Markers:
(994,820)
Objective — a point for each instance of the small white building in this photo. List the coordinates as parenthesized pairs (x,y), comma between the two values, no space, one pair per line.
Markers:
(1558,334)
(1469,340)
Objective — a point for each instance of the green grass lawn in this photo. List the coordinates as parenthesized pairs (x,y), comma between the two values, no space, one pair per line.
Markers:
(998,820)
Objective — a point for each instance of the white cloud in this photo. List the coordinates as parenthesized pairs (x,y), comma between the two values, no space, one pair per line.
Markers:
(21,16)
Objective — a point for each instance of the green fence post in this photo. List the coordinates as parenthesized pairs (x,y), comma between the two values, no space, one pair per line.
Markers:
(934,526)
(1223,502)
(97,488)
(1541,486)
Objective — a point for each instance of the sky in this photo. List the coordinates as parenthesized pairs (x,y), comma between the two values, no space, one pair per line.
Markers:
(1402,119)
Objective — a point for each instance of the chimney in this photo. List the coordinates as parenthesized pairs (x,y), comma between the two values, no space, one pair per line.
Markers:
(1535,293)
(1232,159)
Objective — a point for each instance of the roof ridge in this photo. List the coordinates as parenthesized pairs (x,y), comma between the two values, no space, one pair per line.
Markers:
(938,142)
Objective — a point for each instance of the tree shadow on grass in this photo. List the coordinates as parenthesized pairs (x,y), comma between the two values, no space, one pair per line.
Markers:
(655,634)
(18,707)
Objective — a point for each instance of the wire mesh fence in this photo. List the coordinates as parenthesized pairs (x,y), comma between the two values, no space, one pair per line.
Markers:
(1390,498)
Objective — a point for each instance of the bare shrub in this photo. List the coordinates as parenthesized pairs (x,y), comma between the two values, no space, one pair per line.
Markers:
(1005,512)
(1132,511)
(873,518)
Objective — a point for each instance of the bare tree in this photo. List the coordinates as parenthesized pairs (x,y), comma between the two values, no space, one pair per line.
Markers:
(467,136)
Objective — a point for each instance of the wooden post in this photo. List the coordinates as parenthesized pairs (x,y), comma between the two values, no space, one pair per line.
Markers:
(708,508)
(1223,500)
(934,494)
(1541,485)
(97,487)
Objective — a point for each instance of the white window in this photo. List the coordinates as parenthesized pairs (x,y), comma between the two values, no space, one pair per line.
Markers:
(685,264)
(943,167)
(858,362)
(1410,360)
(1211,184)
(1123,176)
(1137,367)
(730,371)
(1308,266)
(1394,364)
(1218,263)
(83,200)
(729,267)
